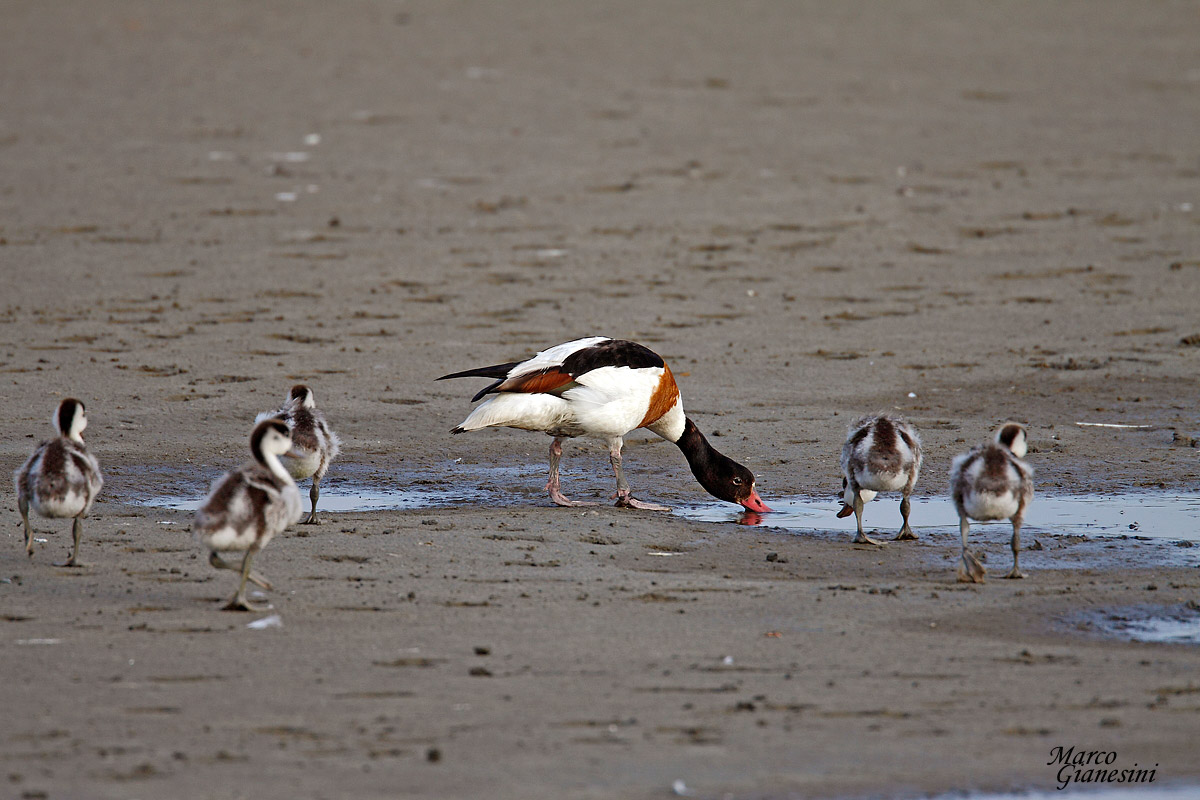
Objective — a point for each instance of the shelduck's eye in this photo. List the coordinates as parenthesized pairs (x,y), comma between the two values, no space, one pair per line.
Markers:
(737,481)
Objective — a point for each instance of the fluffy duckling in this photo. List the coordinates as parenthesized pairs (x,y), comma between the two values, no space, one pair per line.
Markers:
(603,388)
(249,505)
(992,481)
(61,478)
(314,443)
(882,453)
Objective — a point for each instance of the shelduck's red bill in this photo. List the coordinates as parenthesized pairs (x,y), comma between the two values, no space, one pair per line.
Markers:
(755,503)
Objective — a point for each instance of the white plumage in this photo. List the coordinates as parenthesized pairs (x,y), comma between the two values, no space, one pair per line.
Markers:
(605,403)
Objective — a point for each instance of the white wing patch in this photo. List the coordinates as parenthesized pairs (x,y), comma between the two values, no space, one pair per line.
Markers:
(554,356)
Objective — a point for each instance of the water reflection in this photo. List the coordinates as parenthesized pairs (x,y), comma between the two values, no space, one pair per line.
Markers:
(1151,515)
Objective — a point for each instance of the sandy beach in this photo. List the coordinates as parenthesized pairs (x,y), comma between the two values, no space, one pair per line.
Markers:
(963,213)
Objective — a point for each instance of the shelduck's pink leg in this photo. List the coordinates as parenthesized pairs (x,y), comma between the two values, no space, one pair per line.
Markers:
(553,486)
(625,498)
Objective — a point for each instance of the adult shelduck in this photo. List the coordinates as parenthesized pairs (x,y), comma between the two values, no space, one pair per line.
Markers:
(992,481)
(61,479)
(314,444)
(603,388)
(882,453)
(248,506)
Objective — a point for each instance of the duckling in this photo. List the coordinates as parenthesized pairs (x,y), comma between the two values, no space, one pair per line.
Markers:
(61,478)
(882,453)
(249,505)
(992,481)
(314,443)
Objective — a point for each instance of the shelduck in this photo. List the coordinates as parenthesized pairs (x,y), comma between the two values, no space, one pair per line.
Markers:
(61,478)
(992,481)
(250,505)
(603,388)
(882,453)
(314,444)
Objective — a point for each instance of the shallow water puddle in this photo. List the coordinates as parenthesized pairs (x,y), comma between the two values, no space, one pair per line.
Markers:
(1148,515)
(351,497)
(347,488)
(1142,515)
(1163,624)
(1168,631)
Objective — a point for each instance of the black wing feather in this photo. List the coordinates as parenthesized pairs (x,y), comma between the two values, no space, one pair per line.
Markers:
(497,371)
(611,353)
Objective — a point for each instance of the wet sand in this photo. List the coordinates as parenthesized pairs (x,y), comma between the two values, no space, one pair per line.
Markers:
(965,213)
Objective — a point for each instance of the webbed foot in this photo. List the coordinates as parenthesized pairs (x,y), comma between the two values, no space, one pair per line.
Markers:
(970,570)
(629,501)
(239,603)
(561,499)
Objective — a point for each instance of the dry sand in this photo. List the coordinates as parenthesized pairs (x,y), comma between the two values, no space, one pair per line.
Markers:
(965,212)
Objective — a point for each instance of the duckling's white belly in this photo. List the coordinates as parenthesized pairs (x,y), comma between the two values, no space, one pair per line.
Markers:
(229,538)
(305,467)
(990,505)
(866,495)
(72,503)
(880,481)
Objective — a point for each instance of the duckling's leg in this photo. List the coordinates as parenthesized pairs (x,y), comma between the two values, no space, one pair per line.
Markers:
(861,538)
(238,603)
(553,486)
(970,570)
(1016,548)
(23,507)
(253,577)
(625,498)
(906,531)
(77,534)
(313,494)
